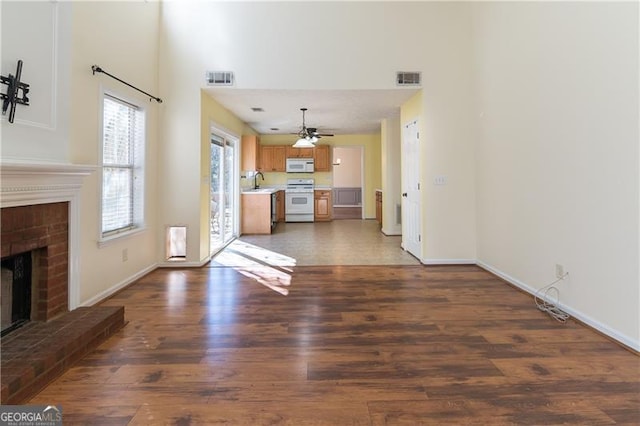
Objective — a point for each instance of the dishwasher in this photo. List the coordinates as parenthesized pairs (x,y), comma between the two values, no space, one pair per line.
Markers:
(274,210)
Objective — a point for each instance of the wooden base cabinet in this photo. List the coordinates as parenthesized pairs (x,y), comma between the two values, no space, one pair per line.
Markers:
(255,215)
(322,205)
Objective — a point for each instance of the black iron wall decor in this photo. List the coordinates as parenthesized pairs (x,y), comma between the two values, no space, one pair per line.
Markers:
(96,68)
(16,92)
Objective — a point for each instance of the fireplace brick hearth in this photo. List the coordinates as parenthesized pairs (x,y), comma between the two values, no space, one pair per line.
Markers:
(37,353)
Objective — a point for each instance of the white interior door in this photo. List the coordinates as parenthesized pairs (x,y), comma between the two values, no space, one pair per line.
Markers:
(411,232)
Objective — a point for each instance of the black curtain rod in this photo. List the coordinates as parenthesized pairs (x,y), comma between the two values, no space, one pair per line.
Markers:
(96,69)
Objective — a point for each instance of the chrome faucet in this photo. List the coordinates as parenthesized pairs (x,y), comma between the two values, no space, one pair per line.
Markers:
(255,180)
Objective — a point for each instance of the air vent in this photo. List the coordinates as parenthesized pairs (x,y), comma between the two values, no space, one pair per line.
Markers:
(407,78)
(219,78)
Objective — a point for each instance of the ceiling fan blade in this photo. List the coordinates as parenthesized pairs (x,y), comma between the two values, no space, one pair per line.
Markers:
(314,131)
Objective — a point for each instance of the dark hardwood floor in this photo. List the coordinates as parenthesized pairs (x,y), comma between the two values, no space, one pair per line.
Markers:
(347,345)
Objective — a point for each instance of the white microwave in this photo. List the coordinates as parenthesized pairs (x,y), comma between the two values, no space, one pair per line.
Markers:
(299,165)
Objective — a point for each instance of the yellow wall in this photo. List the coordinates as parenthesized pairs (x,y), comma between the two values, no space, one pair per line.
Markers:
(372,165)
(391,151)
(412,109)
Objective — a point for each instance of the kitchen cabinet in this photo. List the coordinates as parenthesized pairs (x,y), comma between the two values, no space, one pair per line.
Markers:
(322,211)
(292,152)
(322,158)
(250,159)
(379,207)
(273,158)
(280,201)
(255,215)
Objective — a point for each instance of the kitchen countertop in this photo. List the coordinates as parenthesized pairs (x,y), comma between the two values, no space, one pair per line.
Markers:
(263,190)
(271,190)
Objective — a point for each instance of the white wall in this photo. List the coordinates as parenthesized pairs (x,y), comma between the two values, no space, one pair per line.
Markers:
(263,44)
(181,77)
(130,53)
(557,157)
(40,132)
(62,123)
(447,139)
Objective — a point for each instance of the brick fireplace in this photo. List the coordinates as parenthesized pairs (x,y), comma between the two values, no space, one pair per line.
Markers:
(40,213)
(40,216)
(42,231)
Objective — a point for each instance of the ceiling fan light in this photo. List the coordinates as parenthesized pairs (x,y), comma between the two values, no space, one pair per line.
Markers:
(313,139)
(303,143)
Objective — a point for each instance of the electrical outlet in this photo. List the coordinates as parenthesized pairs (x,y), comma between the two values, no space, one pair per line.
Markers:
(125,255)
(440,180)
(559,271)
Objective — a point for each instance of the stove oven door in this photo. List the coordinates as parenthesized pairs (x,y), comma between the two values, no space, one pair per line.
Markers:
(299,206)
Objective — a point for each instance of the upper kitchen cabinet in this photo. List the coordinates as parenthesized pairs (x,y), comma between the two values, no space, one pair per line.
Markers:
(273,158)
(322,158)
(250,152)
(299,152)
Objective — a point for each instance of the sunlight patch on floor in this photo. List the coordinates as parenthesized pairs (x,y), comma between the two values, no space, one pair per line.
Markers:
(262,254)
(269,268)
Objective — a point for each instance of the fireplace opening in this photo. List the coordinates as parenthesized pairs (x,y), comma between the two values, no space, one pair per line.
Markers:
(16,297)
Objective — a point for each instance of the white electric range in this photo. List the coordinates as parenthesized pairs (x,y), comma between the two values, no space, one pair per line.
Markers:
(299,200)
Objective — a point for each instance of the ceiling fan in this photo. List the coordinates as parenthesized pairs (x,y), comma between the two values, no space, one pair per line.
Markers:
(308,136)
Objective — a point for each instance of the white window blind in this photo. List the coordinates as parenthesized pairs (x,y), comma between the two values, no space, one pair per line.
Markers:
(122,166)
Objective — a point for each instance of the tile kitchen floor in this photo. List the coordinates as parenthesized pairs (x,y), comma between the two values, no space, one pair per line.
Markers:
(340,242)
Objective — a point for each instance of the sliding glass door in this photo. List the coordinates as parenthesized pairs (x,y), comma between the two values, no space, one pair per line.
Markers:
(223,191)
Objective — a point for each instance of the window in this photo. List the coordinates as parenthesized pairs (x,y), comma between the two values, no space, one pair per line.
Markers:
(122,167)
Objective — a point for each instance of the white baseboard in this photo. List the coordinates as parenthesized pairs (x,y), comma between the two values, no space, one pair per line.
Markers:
(108,292)
(448,261)
(604,329)
(391,233)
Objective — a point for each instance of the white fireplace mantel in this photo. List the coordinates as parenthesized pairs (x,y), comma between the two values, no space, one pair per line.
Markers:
(23,184)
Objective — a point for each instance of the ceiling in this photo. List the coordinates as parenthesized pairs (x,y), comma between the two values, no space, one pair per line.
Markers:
(337,112)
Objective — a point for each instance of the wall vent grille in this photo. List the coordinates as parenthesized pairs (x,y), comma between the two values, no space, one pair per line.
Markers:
(220,78)
(404,78)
